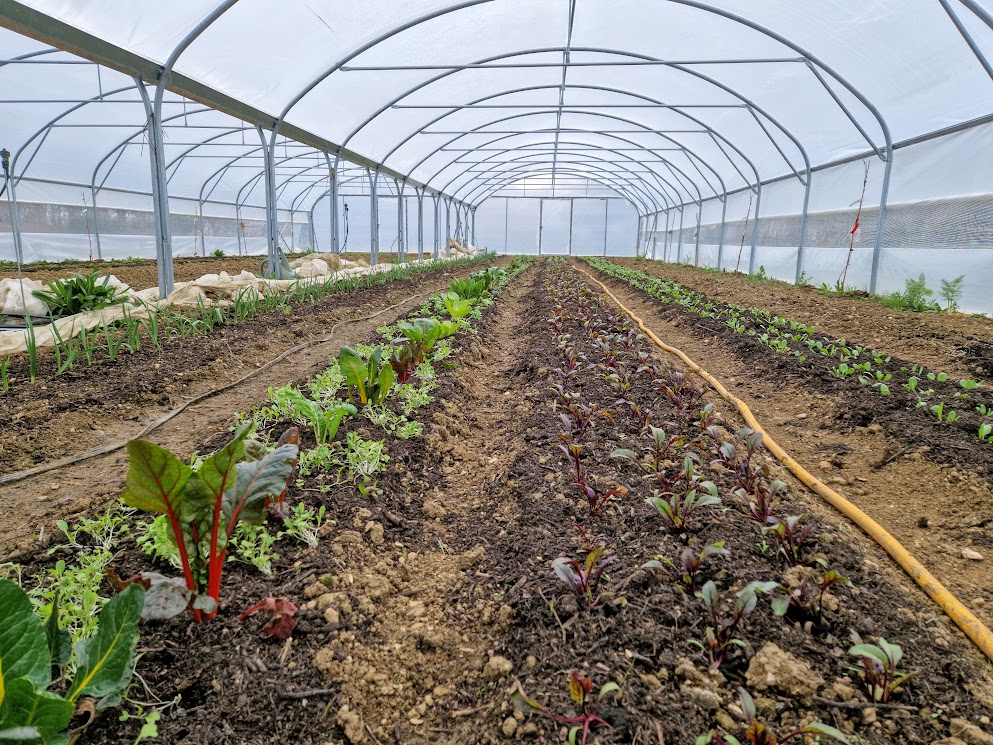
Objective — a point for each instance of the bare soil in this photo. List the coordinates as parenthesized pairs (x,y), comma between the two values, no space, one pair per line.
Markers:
(928,485)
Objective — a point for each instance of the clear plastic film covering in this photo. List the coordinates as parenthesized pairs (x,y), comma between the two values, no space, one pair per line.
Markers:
(735,133)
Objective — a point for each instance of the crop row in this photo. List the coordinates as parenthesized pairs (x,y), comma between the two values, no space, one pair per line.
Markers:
(158,326)
(687,481)
(936,395)
(230,505)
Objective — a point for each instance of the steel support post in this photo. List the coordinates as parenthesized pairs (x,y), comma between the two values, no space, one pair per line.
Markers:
(720,245)
(506,225)
(572,206)
(541,226)
(238,230)
(160,194)
(420,224)
(606,220)
(883,196)
(803,229)
(679,244)
(401,252)
(437,228)
(335,230)
(96,223)
(448,228)
(696,252)
(203,232)
(473,224)
(755,229)
(373,217)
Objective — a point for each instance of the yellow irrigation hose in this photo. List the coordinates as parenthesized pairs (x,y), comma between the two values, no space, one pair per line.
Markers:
(962,616)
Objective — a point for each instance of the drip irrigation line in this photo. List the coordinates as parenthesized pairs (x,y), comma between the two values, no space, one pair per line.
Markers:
(956,610)
(11,478)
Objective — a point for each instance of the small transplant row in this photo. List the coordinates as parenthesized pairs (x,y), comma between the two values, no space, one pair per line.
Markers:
(67,650)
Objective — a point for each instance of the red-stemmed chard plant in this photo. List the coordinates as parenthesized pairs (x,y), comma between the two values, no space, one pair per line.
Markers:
(203,507)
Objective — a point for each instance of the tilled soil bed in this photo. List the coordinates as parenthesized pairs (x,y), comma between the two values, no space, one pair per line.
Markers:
(90,406)
(429,598)
(925,481)
(959,343)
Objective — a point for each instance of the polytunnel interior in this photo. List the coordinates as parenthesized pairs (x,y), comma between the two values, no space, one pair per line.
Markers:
(791,137)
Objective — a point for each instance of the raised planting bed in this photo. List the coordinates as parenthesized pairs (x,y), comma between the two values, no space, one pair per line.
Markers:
(959,343)
(926,479)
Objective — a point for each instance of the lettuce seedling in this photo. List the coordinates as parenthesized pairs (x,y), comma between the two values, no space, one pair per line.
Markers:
(580,690)
(879,669)
(720,636)
(28,648)
(368,380)
(584,579)
(203,508)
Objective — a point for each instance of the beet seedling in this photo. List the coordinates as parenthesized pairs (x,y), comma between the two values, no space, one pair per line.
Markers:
(685,396)
(793,534)
(763,500)
(806,600)
(759,733)
(720,636)
(879,669)
(584,579)
(580,690)
(691,562)
(678,509)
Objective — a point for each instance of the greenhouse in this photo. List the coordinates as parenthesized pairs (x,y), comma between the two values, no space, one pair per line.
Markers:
(482,371)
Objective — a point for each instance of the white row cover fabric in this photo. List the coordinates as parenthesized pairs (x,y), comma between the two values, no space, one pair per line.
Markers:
(665,101)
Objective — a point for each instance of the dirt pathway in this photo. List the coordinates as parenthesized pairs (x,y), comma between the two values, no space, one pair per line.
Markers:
(933,509)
